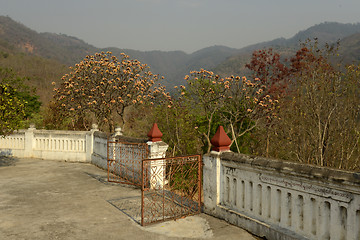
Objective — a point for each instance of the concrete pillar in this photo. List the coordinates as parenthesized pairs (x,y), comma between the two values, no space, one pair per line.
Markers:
(211,181)
(29,141)
(212,171)
(157,149)
(118,131)
(89,141)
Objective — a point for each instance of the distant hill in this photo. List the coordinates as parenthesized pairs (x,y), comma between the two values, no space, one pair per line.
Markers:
(60,47)
(173,65)
(21,49)
(44,57)
(350,49)
(328,32)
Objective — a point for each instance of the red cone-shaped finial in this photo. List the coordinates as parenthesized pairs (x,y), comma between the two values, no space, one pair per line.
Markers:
(220,141)
(155,134)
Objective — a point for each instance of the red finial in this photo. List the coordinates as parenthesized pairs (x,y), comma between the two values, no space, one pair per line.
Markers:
(154,134)
(220,141)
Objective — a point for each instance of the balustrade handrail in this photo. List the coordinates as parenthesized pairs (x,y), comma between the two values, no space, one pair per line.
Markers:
(317,173)
(282,200)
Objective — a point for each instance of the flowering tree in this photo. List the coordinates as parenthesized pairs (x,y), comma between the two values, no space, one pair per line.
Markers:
(318,121)
(272,70)
(247,104)
(102,85)
(236,103)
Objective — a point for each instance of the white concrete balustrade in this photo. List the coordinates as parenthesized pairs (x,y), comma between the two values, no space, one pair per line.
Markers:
(50,144)
(15,141)
(13,144)
(282,200)
(270,198)
(63,143)
(80,146)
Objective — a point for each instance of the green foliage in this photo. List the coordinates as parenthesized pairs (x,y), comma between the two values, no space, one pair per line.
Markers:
(53,118)
(184,178)
(18,101)
(4,54)
(37,72)
(179,129)
(12,109)
(22,91)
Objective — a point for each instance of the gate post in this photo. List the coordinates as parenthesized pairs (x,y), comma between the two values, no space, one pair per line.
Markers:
(157,149)
(112,145)
(212,170)
(29,140)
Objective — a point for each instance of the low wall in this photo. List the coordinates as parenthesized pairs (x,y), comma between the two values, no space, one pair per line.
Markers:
(13,145)
(129,152)
(49,144)
(61,145)
(99,155)
(282,200)
(79,146)
(124,155)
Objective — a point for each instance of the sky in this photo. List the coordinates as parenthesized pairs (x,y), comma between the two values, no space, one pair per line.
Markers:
(186,25)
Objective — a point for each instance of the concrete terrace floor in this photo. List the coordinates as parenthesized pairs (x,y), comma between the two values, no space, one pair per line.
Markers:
(42,199)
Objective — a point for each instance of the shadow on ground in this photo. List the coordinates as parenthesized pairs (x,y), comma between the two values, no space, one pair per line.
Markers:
(131,206)
(7,161)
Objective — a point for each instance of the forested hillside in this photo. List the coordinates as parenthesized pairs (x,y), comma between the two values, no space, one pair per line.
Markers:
(173,65)
(45,57)
(328,32)
(350,49)
(296,104)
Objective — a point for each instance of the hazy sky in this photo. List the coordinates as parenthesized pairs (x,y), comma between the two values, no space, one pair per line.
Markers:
(187,25)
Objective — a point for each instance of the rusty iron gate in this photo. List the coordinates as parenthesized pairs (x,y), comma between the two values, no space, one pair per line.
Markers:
(171,188)
(124,161)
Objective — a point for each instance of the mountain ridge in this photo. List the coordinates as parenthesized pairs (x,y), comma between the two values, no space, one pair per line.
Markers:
(327,32)
(16,38)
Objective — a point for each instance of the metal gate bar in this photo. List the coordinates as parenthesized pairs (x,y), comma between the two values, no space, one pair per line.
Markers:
(124,161)
(171,188)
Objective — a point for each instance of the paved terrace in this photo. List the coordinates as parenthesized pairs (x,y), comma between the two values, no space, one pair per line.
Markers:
(41,199)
